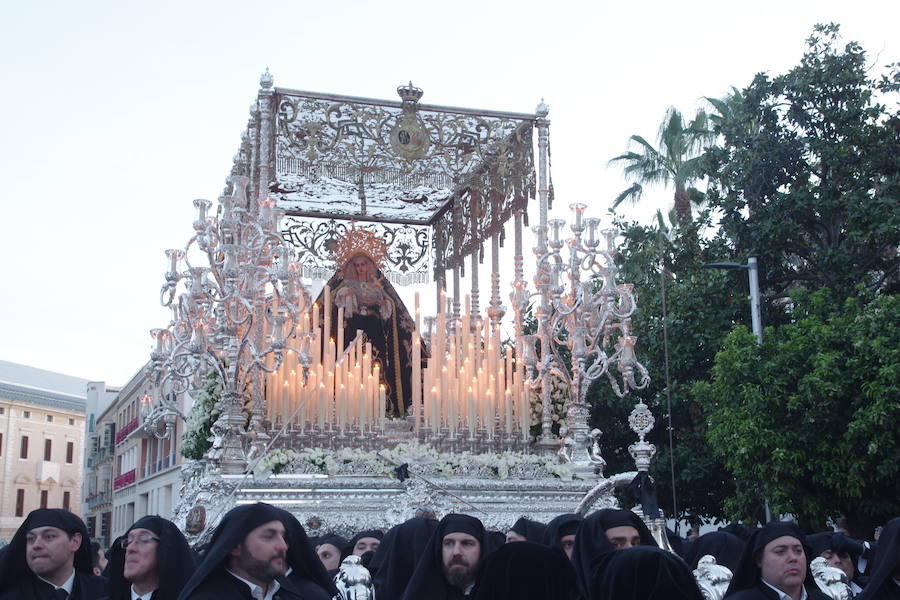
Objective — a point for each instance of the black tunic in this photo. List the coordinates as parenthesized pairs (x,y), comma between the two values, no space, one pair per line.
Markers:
(86,587)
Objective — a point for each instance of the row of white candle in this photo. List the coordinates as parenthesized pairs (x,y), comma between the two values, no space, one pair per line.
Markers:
(343,386)
(468,382)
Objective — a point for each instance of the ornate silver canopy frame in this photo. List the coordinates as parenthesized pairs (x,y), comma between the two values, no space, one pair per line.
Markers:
(435,183)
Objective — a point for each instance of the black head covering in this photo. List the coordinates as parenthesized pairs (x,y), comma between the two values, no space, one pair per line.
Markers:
(382,551)
(532,531)
(347,549)
(308,573)
(644,573)
(397,556)
(526,571)
(14,567)
(884,562)
(592,545)
(234,527)
(724,546)
(747,574)
(428,579)
(561,526)
(738,529)
(335,540)
(494,541)
(174,559)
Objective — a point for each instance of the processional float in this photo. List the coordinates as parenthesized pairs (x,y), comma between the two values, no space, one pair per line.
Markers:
(337,424)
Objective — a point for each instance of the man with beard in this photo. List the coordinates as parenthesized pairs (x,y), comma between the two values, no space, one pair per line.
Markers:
(49,558)
(449,567)
(246,558)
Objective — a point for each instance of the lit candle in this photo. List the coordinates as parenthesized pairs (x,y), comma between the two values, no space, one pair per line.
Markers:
(382,400)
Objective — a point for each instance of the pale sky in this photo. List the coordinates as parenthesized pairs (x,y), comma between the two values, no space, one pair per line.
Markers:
(119,114)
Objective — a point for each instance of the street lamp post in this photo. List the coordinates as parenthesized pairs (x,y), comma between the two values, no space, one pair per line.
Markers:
(755,314)
(753,274)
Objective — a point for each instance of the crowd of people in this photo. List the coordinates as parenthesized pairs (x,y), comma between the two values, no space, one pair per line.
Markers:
(261,552)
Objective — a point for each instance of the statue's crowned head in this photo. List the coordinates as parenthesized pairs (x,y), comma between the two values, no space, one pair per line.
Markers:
(359,253)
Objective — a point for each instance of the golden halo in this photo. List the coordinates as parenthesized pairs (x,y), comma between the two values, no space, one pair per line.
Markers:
(359,241)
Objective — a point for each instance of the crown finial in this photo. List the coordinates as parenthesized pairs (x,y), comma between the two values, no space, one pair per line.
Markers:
(266,80)
(409,93)
(542,109)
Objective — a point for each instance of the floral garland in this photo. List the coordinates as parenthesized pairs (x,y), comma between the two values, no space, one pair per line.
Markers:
(421,458)
(204,413)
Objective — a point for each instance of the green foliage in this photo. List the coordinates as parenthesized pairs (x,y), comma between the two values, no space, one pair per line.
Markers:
(204,413)
(809,419)
(702,306)
(807,172)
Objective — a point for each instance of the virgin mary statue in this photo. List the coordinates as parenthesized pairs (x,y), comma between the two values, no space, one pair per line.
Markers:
(371,304)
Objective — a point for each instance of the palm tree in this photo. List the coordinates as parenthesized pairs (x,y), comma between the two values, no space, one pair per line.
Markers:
(676,161)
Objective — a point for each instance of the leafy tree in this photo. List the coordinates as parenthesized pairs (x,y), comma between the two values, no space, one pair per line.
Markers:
(807,172)
(701,307)
(677,161)
(809,419)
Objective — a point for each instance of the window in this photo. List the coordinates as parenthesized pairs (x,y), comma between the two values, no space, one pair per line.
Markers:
(2,410)
(20,503)
(67,497)
(1,444)
(48,446)
(44,494)
(23,451)
(49,418)
(70,452)
(71,421)
(26,414)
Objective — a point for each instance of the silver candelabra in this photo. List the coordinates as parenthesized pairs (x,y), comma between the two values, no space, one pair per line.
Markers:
(580,307)
(236,314)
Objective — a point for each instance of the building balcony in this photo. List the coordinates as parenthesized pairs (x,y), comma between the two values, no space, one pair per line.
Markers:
(122,434)
(124,479)
(95,501)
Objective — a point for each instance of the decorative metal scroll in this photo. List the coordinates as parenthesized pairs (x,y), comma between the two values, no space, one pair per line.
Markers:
(341,157)
(408,247)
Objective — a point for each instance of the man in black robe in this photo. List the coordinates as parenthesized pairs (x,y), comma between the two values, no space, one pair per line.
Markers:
(526,530)
(602,533)
(449,566)
(246,559)
(49,558)
(775,566)
(152,561)
(305,575)
(725,547)
(526,571)
(644,573)
(562,531)
(884,581)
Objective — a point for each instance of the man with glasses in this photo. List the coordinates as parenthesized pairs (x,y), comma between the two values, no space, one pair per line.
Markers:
(152,561)
(49,558)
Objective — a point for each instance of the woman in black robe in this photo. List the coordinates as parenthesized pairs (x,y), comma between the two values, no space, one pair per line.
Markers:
(371,304)
(760,551)
(562,526)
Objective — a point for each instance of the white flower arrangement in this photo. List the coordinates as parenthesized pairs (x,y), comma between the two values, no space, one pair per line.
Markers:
(559,395)
(421,458)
